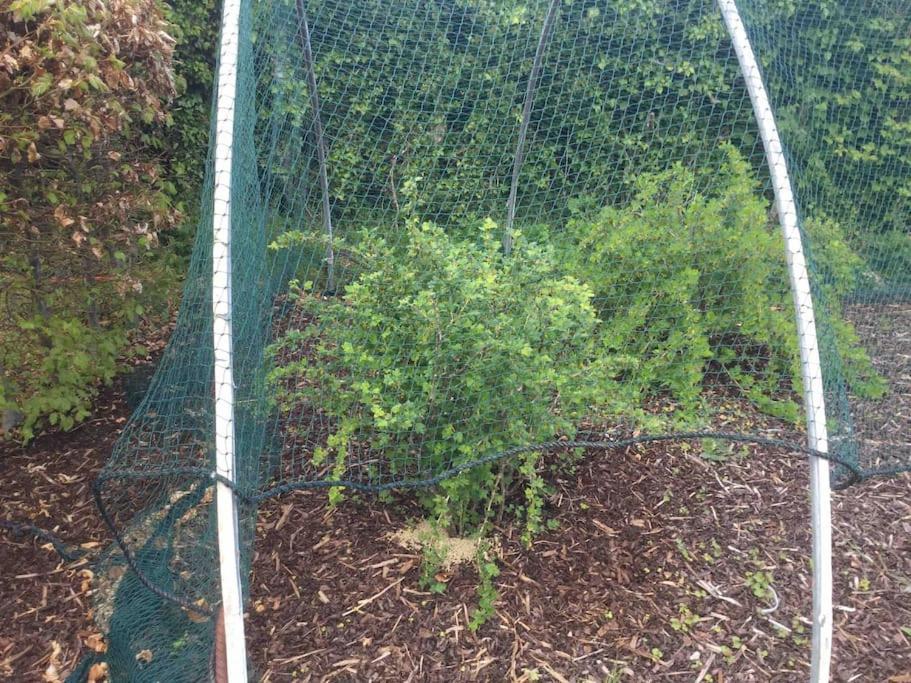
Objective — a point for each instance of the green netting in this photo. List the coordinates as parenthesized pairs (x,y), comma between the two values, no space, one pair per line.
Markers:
(497,227)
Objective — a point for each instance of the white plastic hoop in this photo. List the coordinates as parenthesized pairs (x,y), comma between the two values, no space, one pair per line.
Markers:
(820,494)
(225,502)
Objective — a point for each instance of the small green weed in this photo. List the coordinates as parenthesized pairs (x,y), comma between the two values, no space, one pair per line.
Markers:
(759,583)
(685,621)
(487,593)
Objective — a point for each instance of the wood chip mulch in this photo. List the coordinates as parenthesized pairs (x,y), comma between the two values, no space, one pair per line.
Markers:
(650,575)
(46,625)
(664,565)
(883,426)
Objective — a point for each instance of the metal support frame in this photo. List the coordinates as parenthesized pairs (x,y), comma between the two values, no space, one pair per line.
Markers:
(321,150)
(225,501)
(820,494)
(519,157)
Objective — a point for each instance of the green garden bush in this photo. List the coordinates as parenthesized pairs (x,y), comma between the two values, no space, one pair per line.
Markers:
(82,199)
(688,283)
(441,352)
(692,283)
(442,349)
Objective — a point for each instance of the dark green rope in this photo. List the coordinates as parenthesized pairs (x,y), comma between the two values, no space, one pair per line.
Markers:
(67,551)
(855,475)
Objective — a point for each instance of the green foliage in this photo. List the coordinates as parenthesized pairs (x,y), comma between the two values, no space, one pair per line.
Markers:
(686,619)
(689,284)
(839,273)
(82,199)
(889,255)
(432,558)
(68,358)
(843,91)
(839,269)
(184,141)
(487,592)
(759,583)
(442,349)
(446,351)
(417,131)
(397,143)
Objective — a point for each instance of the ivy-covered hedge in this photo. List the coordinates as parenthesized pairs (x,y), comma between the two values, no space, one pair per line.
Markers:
(184,141)
(425,115)
(626,88)
(842,82)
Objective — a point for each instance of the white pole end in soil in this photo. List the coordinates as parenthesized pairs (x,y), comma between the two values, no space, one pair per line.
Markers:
(820,492)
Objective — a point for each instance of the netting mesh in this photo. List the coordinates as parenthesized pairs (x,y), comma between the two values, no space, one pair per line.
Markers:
(496,224)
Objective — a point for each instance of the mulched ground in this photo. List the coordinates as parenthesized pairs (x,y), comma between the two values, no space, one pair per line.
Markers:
(46,623)
(649,576)
(666,563)
(46,602)
(883,425)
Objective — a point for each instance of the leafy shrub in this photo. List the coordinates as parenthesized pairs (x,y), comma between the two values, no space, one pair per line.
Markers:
(443,349)
(184,139)
(693,284)
(444,352)
(839,273)
(70,354)
(688,284)
(487,592)
(890,257)
(82,200)
(839,269)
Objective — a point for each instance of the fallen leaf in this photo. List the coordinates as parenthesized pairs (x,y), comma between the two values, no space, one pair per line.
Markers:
(196,617)
(98,673)
(116,571)
(52,672)
(87,575)
(62,218)
(96,642)
(144,656)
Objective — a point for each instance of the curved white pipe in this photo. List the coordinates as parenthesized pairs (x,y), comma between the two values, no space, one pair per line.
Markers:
(820,493)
